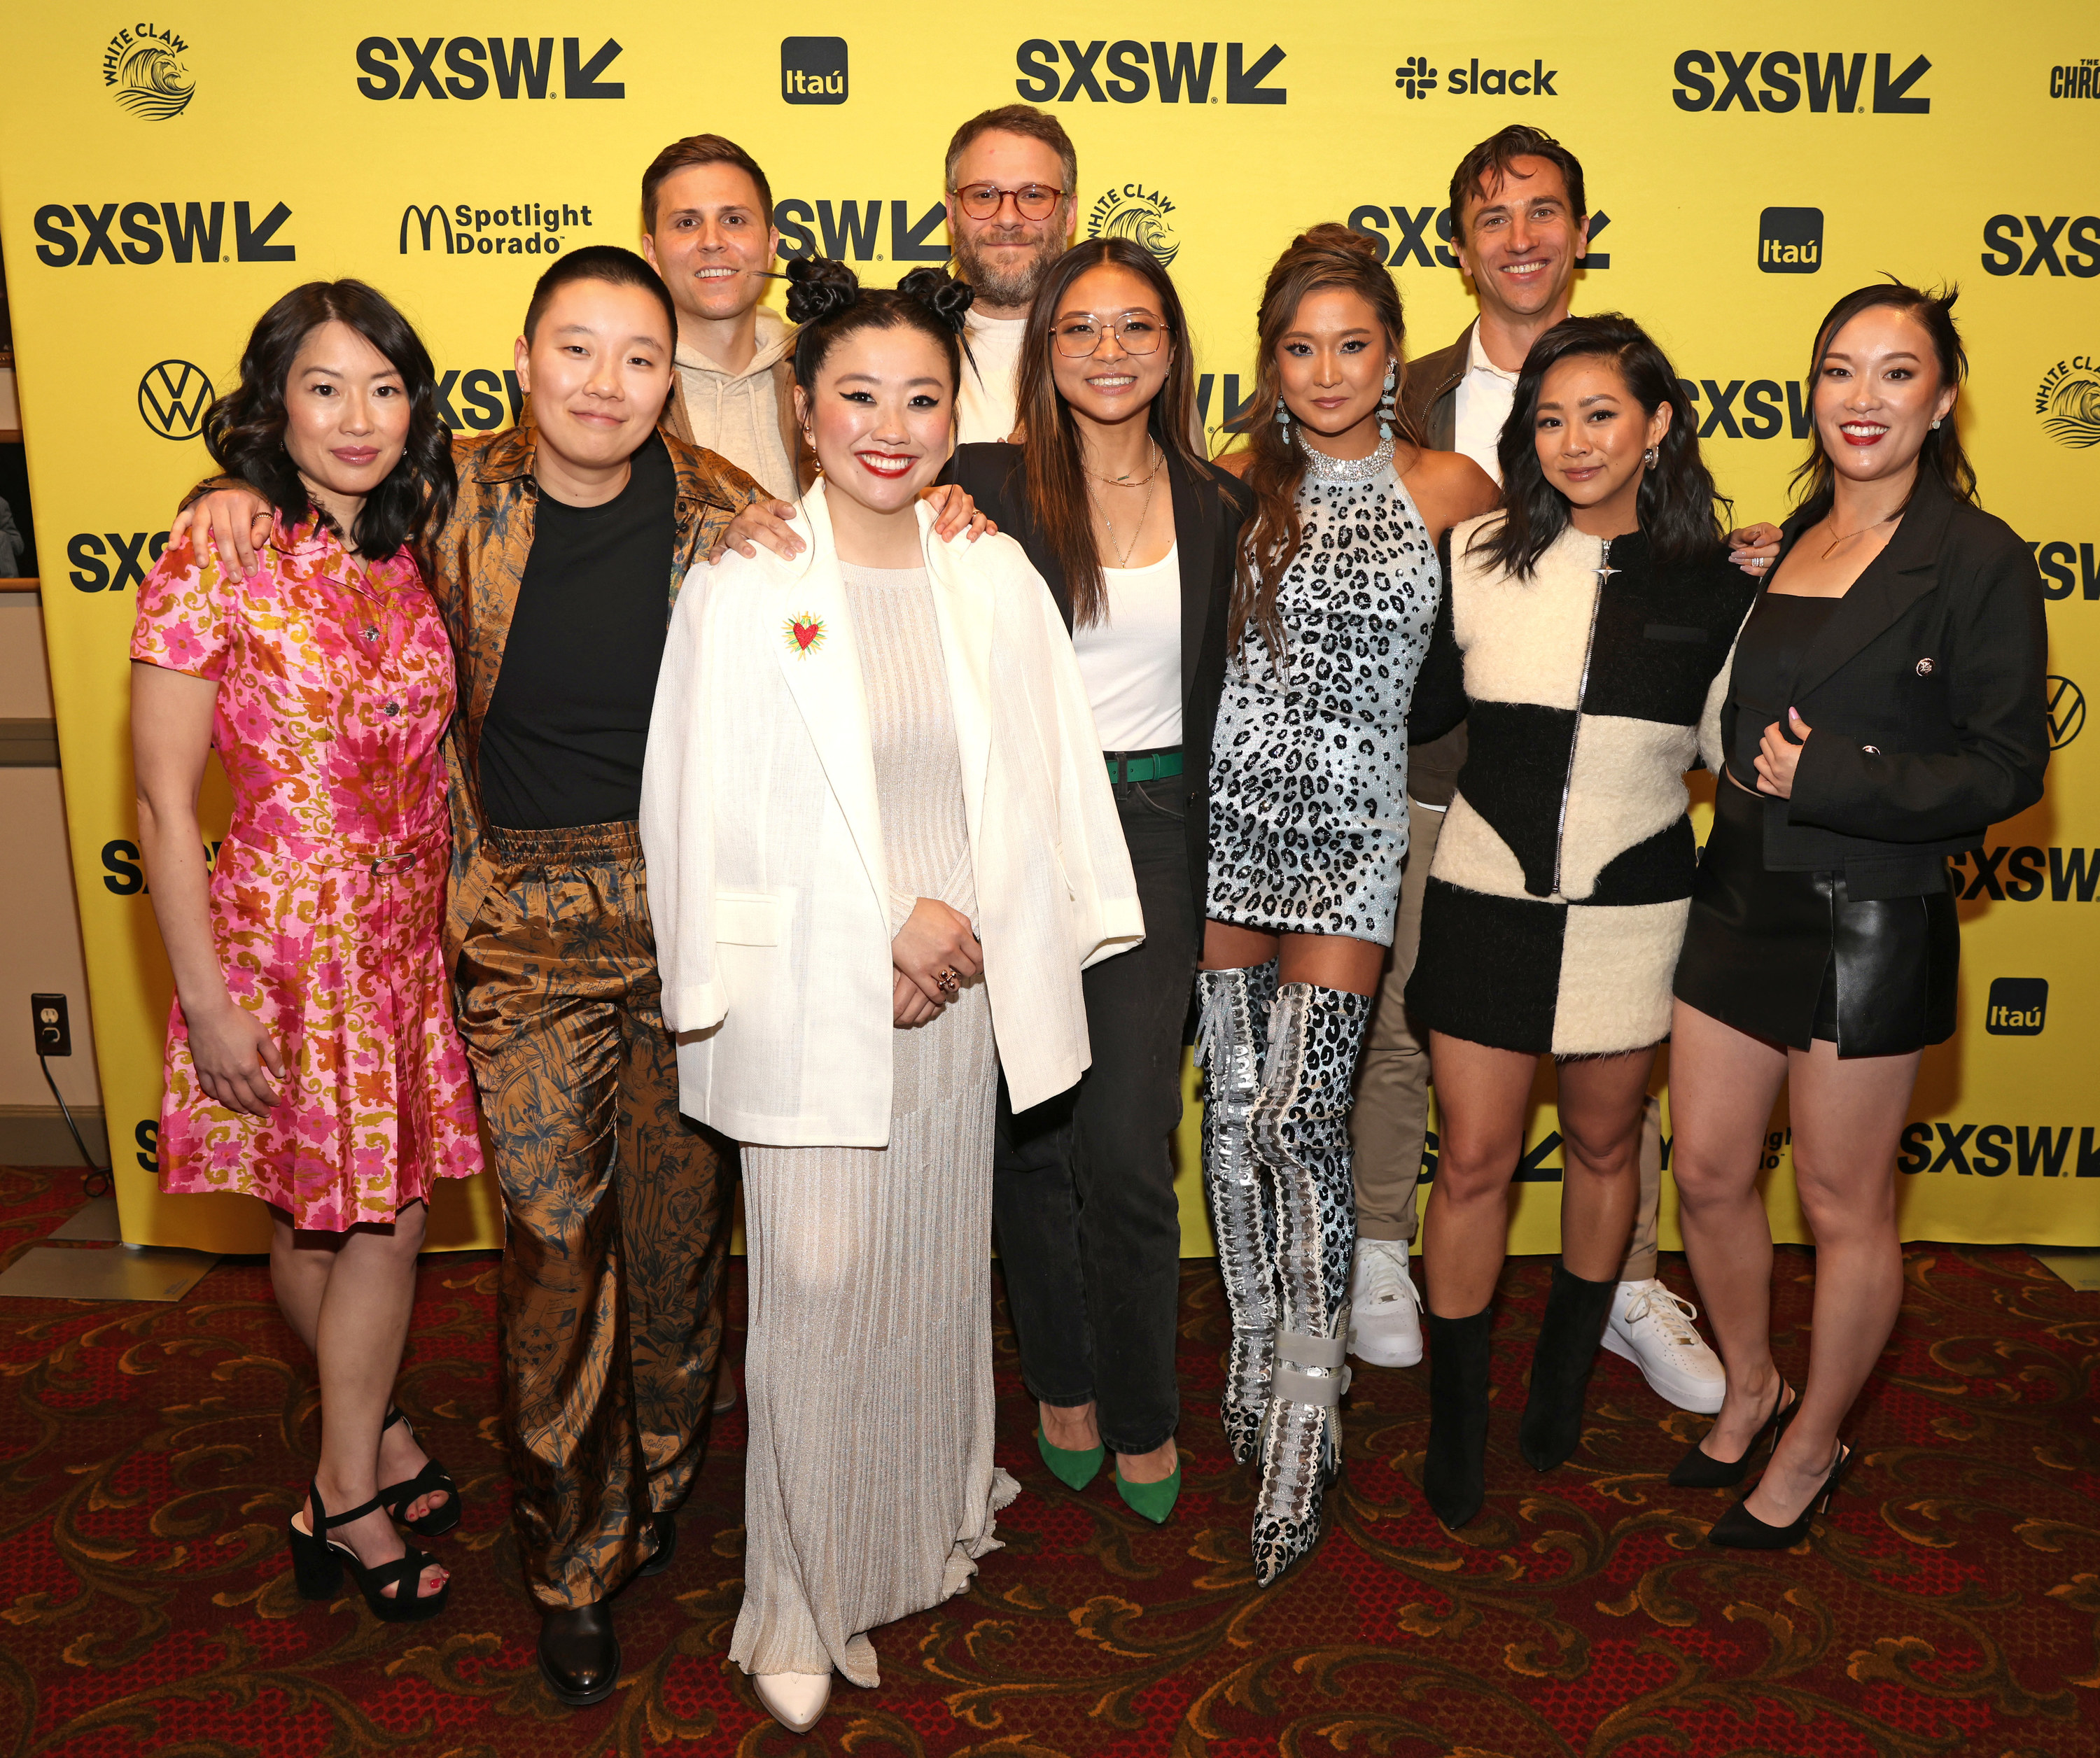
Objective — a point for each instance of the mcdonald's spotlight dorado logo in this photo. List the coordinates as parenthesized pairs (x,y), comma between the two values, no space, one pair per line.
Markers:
(2068,402)
(526,228)
(2066,711)
(1131,211)
(172,399)
(144,64)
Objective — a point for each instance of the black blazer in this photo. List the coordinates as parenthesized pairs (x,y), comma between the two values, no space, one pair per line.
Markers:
(1208,512)
(1924,699)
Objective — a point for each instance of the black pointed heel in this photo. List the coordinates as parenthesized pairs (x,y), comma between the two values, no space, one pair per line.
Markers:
(1454,1471)
(1739,1529)
(1698,1469)
(432,1480)
(318,1562)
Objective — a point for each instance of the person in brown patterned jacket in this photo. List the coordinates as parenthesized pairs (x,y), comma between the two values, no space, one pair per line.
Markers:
(556,573)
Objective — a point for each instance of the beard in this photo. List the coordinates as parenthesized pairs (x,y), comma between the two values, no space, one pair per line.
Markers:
(1010,284)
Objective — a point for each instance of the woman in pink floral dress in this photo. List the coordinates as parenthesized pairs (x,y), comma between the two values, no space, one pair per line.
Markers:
(312,1060)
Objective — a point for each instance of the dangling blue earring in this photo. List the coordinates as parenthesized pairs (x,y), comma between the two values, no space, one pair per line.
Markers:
(1385,412)
(1283,418)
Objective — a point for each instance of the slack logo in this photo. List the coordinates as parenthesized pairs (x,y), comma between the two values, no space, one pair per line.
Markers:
(812,70)
(2018,1006)
(1790,240)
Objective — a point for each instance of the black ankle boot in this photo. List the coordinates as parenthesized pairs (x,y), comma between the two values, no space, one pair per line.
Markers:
(1454,1477)
(1568,1340)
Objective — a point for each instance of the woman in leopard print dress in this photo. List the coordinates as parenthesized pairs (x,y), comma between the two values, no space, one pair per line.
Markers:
(1335,595)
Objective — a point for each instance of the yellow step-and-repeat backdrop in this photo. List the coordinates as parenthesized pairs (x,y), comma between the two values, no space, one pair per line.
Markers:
(162,181)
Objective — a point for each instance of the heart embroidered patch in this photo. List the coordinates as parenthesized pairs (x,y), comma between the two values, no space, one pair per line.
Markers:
(804,634)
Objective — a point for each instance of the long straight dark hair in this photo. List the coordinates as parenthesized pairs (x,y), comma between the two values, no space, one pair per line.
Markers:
(1814,483)
(1680,509)
(1053,473)
(245,429)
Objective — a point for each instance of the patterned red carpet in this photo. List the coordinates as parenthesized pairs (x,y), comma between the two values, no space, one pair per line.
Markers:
(151,1455)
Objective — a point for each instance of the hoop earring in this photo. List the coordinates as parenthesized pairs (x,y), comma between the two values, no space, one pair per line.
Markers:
(1649,456)
(1385,410)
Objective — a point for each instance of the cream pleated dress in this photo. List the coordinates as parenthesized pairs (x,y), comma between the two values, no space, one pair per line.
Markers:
(870,1489)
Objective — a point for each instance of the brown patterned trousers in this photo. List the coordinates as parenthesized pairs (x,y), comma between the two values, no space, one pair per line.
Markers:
(614,1232)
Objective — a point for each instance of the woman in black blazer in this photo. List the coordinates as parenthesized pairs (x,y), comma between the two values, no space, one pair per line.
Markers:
(1134,534)
(1885,707)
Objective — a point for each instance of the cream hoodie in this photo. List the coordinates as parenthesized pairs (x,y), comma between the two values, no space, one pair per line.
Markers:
(739,414)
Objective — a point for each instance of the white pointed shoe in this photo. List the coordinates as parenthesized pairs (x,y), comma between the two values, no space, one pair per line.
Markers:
(1385,1311)
(795,1700)
(1651,1327)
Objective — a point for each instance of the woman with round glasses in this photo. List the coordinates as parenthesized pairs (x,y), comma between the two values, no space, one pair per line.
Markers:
(1336,593)
(1136,535)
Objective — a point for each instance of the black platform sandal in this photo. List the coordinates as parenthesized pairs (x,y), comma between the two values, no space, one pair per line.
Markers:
(318,1562)
(433,1479)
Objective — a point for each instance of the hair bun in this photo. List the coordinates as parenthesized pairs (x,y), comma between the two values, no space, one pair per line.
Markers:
(947,298)
(818,287)
(1331,235)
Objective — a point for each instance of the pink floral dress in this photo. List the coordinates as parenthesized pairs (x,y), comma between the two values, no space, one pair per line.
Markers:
(329,890)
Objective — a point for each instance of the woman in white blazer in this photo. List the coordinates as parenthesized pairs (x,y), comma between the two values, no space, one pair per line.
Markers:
(881,847)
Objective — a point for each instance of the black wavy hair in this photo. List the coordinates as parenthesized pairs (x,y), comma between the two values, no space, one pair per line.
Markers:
(1814,482)
(245,429)
(827,300)
(1680,512)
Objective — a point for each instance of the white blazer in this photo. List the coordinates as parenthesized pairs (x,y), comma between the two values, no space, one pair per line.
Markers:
(767,885)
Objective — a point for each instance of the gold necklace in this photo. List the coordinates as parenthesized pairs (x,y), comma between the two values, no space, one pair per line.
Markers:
(1861,532)
(1124,480)
(1130,549)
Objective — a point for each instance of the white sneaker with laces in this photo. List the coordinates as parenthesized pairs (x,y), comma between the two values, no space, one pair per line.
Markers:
(1651,1327)
(1385,1311)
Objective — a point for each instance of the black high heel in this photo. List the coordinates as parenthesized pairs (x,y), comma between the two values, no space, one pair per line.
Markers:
(1698,1469)
(433,1479)
(318,1562)
(1739,1529)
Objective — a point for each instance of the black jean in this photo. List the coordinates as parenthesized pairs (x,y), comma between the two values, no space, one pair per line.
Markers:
(1082,1190)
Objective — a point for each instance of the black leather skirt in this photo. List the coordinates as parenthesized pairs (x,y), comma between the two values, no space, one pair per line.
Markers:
(1790,957)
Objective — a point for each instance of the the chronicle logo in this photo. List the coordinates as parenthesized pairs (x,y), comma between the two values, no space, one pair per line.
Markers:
(1416,78)
(525,228)
(2080,80)
(813,69)
(1790,240)
(2066,711)
(2068,402)
(1131,211)
(172,399)
(144,63)
(406,67)
(2018,1006)
(1716,79)
(1129,71)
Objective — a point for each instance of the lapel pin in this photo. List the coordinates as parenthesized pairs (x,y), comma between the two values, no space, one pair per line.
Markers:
(804,634)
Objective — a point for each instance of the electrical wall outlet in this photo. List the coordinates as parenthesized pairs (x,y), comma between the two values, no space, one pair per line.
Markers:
(54,1026)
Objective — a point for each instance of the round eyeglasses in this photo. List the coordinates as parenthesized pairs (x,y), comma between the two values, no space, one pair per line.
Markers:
(1080,337)
(1033,201)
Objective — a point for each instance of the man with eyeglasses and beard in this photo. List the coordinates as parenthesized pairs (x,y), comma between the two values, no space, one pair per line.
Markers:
(1011,176)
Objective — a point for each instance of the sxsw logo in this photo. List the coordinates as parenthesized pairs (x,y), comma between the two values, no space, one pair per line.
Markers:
(409,67)
(1416,78)
(79,235)
(1758,408)
(813,69)
(1993,1149)
(2021,875)
(486,396)
(1828,81)
(2018,1006)
(1129,71)
(2010,248)
(1790,240)
(2065,569)
(852,232)
(110,561)
(1406,231)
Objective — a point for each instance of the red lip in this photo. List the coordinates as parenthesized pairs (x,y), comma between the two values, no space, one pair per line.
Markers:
(1862,439)
(873,463)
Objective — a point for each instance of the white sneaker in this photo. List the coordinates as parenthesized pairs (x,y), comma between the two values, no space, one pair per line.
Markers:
(1651,1327)
(1385,1312)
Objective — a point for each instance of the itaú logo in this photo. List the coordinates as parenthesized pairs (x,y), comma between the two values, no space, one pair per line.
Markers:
(172,399)
(2018,1006)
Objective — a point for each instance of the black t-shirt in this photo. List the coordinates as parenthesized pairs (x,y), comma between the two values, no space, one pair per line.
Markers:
(562,741)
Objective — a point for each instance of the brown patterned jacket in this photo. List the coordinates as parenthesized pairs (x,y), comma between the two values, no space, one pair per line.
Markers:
(477,563)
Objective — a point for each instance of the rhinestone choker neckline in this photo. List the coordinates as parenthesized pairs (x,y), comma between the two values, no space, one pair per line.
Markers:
(1321,468)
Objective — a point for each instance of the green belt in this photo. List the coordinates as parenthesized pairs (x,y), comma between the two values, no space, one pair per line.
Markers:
(1151,767)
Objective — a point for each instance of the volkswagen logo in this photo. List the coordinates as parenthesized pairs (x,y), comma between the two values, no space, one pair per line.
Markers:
(2067,711)
(173,397)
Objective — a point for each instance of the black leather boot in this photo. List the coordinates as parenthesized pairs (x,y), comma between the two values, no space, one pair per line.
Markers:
(666,1544)
(579,1654)
(1454,1477)
(1568,1341)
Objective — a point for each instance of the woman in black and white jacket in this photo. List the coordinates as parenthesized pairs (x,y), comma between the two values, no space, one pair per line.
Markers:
(1585,627)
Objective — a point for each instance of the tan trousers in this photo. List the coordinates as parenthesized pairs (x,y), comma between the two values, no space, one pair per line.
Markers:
(1392,1115)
